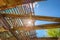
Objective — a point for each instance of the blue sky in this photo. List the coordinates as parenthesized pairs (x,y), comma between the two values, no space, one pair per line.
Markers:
(47,8)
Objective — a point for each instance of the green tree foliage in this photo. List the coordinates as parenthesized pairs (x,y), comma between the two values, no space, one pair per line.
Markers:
(54,32)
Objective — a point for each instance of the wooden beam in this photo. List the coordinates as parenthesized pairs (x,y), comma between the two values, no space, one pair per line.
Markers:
(47,18)
(43,38)
(46,38)
(43,18)
(38,27)
(47,26)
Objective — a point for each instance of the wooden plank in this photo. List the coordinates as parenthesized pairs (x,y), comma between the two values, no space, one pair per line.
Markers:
(43,38)
(38,27)
(46,38)
(47,26)
(43,18)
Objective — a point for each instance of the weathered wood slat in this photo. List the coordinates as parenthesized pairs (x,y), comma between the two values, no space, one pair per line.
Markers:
(43,38)
(38,27)
(43,18)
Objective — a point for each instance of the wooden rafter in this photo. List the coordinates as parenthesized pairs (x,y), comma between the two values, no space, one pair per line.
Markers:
(38,27)
(48,38)
(43,18)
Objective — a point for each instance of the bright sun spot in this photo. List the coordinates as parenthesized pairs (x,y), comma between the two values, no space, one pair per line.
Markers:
(28,22)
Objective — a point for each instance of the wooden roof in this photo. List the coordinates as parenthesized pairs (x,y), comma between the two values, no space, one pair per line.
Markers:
(8,20)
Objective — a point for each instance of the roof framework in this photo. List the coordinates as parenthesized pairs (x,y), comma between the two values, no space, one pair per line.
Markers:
(12,13)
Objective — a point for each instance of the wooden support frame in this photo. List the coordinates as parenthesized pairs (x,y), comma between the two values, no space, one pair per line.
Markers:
(7,26)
